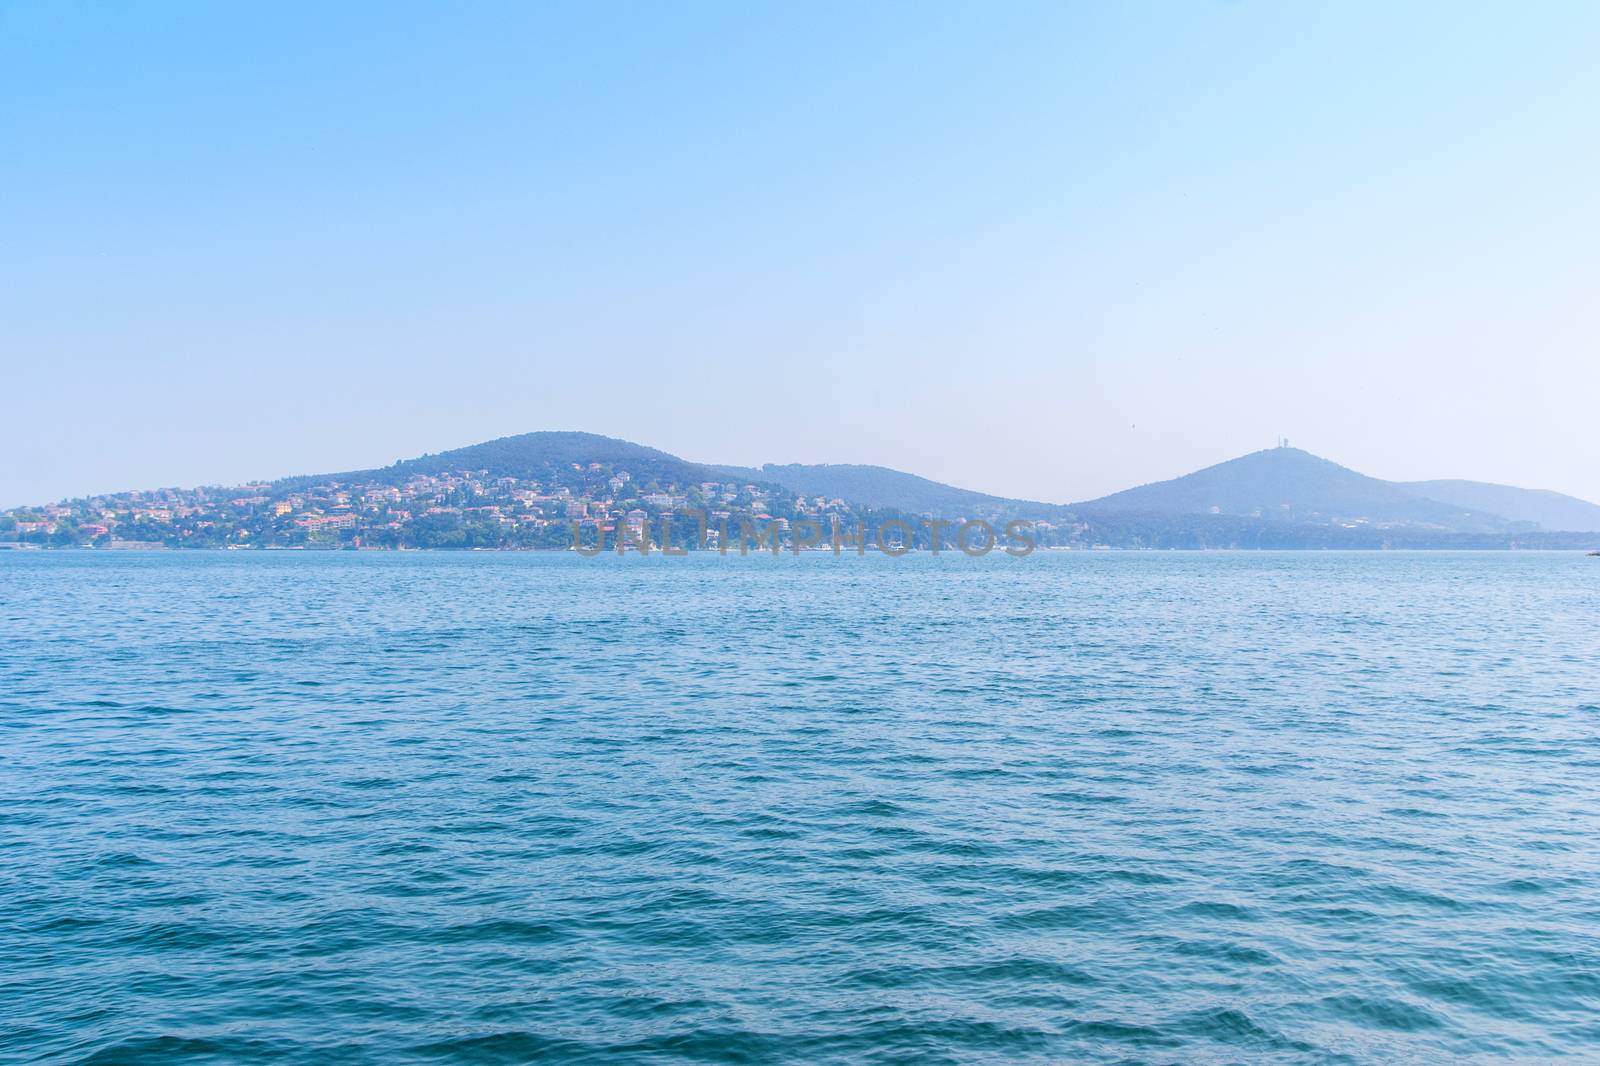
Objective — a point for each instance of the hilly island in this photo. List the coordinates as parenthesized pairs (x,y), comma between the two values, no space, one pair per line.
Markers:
(537,490)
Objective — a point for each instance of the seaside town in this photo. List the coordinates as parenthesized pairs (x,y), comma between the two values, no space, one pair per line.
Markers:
(453,509)
(606,505)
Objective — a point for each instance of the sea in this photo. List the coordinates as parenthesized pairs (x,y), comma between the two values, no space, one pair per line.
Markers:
(1077,807)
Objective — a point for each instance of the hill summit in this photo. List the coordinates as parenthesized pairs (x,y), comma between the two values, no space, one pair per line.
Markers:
(1290,485)
(534,455)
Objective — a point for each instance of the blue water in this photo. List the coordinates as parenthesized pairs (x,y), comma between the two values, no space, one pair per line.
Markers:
(329,808)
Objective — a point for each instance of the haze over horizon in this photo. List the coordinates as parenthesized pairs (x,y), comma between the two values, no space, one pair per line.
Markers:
(1041,252)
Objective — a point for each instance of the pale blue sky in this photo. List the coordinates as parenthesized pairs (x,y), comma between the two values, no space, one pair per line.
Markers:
(1046,250)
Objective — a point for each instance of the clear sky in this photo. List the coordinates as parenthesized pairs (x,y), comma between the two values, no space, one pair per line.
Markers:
(1046,250)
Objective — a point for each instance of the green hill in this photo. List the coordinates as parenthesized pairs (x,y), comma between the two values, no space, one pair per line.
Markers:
(879,486)
(1294,486)
(531,455)
(1549,510)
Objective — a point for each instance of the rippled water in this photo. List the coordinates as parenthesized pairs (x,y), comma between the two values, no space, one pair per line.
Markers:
(343,807)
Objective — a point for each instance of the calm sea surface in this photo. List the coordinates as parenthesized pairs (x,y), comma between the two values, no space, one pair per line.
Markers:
(340,807)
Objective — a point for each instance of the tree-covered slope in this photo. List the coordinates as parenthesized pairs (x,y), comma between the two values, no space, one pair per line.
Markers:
(879,486)
(529,455)
(1290,485)
(1550,510)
